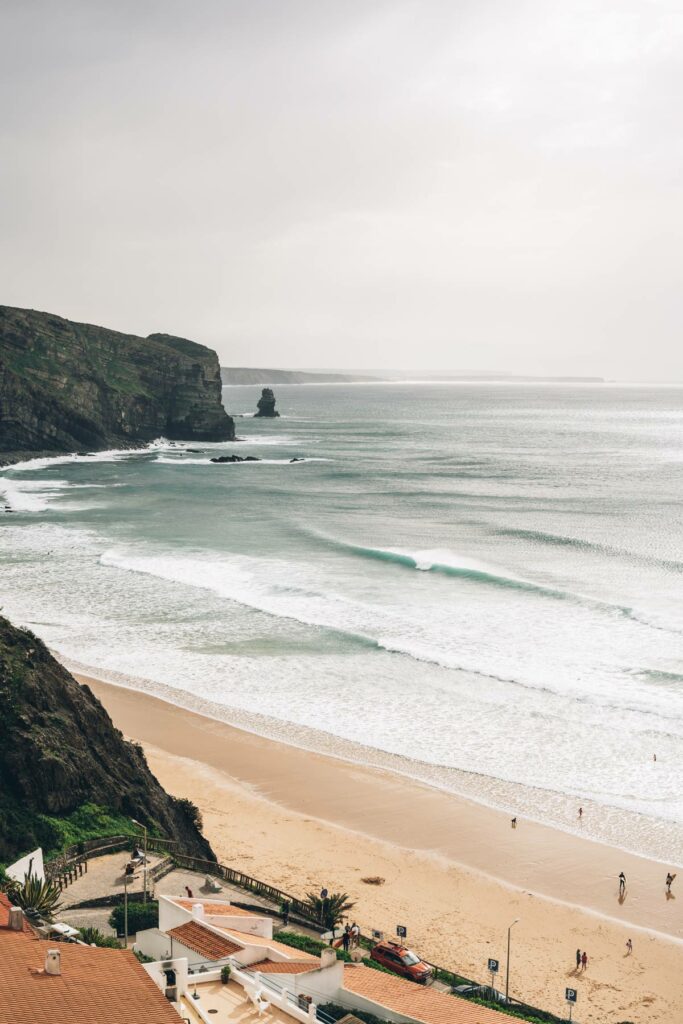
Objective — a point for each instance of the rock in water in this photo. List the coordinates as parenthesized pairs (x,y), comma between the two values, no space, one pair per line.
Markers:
(266,404)
(68,387)
(236,458)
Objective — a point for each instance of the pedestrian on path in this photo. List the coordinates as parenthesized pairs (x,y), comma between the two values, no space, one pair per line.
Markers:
(346,938)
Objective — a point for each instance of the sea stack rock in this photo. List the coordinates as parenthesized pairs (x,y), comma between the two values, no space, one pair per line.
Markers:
(266,404)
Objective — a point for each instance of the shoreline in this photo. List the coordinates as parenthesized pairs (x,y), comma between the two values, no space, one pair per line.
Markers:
(300,820)
(370,801)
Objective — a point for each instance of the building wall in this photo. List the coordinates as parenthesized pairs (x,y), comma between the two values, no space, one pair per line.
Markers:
(32,862)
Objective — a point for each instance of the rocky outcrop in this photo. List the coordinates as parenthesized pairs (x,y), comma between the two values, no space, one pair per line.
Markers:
(59,751)
(266,404)
(66,386)
(236,458)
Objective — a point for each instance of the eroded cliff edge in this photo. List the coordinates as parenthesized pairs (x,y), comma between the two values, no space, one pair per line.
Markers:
(67,386)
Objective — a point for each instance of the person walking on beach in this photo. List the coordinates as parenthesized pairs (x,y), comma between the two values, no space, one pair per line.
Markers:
(669,880)
(513,822)
(622,883)
(584,960)
(629,947)
(580,813)
(578,959)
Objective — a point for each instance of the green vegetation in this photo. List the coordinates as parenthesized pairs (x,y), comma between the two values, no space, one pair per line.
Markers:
(338,1012)
(140,916)
(38,899)
(315,947)
(225,974)
(190,810)
(89,821)
(94,937)
(330,911)
(143,958)
(533,1017)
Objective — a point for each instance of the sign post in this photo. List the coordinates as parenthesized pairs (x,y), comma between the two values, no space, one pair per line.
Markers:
(570,996)
(493,970)
(401,931)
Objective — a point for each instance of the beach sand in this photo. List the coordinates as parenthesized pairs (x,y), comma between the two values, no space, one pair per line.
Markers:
(455,872)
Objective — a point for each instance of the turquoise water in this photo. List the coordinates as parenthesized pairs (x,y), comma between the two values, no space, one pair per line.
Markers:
(478,585)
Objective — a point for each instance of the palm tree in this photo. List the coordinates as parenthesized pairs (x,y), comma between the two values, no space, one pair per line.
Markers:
(37,898)
(329,912)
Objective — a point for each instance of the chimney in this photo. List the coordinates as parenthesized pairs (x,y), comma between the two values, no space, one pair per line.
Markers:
(52,965)
(327,957)
(16,919)
(198,911)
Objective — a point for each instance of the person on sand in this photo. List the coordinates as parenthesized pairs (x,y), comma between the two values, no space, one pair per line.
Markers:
(629,947)
(622,883)
(580,813)
(584,960)
(513,822)
(669,880)
(578,959)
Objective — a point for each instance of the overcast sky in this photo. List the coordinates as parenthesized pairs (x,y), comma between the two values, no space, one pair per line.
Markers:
(486,184)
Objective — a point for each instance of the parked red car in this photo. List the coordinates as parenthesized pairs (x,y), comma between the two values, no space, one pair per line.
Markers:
(402,961)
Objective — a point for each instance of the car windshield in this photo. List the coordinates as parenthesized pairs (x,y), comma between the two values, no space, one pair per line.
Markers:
(409,959)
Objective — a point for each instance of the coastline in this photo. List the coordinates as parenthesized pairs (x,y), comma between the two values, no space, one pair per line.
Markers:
(300,819)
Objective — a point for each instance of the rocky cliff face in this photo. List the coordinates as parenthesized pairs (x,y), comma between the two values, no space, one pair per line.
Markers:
(59,750)
(66,386)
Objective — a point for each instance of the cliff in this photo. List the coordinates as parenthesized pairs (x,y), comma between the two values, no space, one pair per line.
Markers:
(60,755)
(66,387)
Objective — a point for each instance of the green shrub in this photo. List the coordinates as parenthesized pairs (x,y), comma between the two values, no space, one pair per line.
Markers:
(190,811)
(143,958)
(94,937)
(140,916)
(225,974)
(337,1012)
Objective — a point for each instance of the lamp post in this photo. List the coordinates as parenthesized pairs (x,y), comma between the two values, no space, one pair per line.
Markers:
(507,966)
(144,866)
(125,908)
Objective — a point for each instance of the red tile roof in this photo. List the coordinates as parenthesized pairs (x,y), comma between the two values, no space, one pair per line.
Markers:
(282,966)
(100,986)
(420,1002)
(204,941)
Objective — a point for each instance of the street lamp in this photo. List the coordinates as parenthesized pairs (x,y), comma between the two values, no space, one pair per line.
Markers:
(125,907)
(507,968)
(144,866)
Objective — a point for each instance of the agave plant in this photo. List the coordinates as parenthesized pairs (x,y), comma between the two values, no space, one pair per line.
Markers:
(329,911)
(36,898)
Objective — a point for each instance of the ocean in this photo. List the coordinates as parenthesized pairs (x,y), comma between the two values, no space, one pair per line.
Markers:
(477,585)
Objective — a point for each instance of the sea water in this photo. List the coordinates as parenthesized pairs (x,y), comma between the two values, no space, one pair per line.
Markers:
(478,585)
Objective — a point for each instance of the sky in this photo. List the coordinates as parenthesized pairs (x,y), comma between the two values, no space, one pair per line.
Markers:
(467,184)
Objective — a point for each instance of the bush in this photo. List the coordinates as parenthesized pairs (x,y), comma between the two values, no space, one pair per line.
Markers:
(143,958)
(190,811)
(94,937)
(140,916)
(337,1012)
(225,974)
(315,946)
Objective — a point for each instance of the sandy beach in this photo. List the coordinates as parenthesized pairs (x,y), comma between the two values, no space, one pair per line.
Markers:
(455,872)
